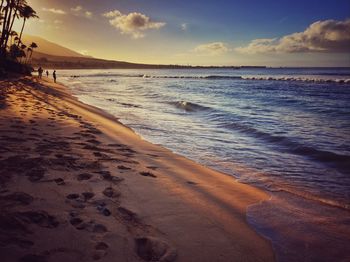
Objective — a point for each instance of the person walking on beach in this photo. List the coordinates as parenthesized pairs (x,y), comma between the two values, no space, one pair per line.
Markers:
(47,73)
(54,75)
(40,72)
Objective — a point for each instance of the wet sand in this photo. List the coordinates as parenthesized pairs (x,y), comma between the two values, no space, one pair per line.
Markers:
(77,185)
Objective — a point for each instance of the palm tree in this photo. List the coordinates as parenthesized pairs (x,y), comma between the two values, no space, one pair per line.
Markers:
(16,40)
(5,10)
(26,12)
(2,3)
(12,13)
(23,47)
(30,50)
(9,13)
(13,34)
(17,5)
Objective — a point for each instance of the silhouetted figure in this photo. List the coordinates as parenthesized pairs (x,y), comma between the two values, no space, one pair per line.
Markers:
(40,72)
(54,75)
(47,73)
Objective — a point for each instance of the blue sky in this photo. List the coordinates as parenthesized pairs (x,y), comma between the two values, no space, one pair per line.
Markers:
(199,32)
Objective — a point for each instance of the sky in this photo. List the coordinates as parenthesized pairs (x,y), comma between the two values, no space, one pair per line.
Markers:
(215,32)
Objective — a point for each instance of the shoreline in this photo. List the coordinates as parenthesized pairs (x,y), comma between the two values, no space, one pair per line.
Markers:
(160,205)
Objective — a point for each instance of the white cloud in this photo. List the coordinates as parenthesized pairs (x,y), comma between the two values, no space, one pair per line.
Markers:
(88,14)
(77,8)
(113,13)
(215,48)
(80,11)
(54,10)
(184,26)
(321,36)
(133,23)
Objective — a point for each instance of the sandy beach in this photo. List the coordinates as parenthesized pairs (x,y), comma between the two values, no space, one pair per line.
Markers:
(77,185)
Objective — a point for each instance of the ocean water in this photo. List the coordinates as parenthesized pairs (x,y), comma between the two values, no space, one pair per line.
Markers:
(286,130)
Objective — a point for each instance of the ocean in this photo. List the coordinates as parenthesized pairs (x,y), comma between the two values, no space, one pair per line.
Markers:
(286,130)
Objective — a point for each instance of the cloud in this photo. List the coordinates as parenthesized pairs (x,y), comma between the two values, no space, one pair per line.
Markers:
(184,26)
(132,24)
(112,14)
(80,11)
(53,10)
(78,8)
(321,36)
(215,48)
(88,14)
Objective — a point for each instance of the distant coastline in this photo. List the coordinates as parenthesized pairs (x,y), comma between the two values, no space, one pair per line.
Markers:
(65,62)
(72,62)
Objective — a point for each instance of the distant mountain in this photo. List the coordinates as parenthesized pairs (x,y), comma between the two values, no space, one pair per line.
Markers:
(50,48)
(70,62)
(51,55)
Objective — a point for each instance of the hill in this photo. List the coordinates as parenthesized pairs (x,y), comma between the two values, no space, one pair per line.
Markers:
(49,48)
(70,62)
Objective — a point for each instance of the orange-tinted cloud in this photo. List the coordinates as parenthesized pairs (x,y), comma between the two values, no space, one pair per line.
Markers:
(133,23)
(54,10)
(215,48)
(80,11)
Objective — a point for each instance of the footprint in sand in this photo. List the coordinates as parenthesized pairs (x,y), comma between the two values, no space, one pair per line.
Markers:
(35,174)
(101,207)
(87,195)
(101,246)
(72,196)
(152,167)
(99,154)
(100,250)
(110,192)
(149,174)
(90,226)
(106,175)
(84,176)
(78,200)
(16,198)
(127,215)
(59,181)
(40,218)
(154,249)
(75,221)
(121,167)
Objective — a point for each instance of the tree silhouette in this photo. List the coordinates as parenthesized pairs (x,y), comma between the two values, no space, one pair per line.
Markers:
(30,50)
(13,34)
(10,10)
(26,13)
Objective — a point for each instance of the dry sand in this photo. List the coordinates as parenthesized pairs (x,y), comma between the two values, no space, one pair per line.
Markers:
(76,185)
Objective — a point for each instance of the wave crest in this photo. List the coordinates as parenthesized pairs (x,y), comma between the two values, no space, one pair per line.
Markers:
(309,79)
(340,162)
(189,107)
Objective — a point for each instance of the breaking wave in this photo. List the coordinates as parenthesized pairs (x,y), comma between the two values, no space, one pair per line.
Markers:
(313,79)
(189,107)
